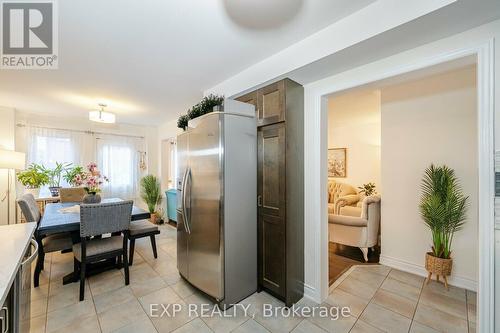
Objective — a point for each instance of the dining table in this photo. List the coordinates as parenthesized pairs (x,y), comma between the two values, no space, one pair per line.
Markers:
(57,218)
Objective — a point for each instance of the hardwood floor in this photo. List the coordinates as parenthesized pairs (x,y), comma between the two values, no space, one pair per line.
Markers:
(341,258)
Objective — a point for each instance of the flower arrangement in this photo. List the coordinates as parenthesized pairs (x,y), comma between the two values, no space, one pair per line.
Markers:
(91,180)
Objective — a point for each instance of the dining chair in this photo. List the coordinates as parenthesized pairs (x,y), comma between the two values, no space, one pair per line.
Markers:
(72,194)
(140,229)
(96,220)
(46,244)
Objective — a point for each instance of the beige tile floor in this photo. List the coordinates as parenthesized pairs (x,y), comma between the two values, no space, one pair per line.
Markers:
(380,299)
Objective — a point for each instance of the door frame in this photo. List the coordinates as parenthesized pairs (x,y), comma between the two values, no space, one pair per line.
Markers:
(316,178)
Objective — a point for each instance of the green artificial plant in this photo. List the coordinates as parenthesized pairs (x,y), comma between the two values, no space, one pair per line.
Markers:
(206,105)
(151,192)
(35,176)
(56,173)
(367,189)
(443,207)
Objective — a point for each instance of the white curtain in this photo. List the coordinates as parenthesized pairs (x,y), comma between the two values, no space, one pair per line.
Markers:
(118,159)
(48,146)
(117,156)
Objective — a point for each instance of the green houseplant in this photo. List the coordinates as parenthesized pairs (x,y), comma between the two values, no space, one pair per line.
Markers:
(55,175)
(367,189)
(443,207)
(34,177)
(151,194)
(206,105)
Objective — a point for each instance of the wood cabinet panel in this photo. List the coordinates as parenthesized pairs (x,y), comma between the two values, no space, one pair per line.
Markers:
(272,245)
(280,188)
(271,170)
(271,103)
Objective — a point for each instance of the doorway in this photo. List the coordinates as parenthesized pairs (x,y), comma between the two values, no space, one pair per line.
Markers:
(353,158)
(316,166)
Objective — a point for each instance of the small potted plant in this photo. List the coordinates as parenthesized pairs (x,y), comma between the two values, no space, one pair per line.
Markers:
(55,175)
(367,189)
(70,176)
(443,207)
(151,194)
(34,177)
(91,180)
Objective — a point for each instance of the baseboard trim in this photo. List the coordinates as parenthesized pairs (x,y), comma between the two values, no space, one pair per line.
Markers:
(311,293)
(402,265)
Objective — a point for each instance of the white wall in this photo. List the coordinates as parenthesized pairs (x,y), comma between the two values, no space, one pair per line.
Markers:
(354,123)
(7,140)
(424,121)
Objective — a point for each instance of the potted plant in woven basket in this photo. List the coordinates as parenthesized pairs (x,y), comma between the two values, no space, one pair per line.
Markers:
(151,194)
(443,207)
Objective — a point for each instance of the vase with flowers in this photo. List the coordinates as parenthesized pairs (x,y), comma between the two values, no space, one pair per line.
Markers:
(91,180)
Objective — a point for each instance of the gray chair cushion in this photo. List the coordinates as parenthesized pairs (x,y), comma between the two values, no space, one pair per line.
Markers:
(57,242)
(99,246)
(29,207)
(142,227)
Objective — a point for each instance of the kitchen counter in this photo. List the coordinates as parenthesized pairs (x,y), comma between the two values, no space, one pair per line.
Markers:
(14,241)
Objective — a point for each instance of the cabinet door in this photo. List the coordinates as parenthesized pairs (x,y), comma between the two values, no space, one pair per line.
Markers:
(271,170)
(271,253)
(250,98)
(271,207)
(271,104)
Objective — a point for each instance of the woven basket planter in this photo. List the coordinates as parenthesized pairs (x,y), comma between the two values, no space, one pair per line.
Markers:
(437,265)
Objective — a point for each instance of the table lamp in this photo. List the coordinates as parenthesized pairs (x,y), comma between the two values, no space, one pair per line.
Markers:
(10,160)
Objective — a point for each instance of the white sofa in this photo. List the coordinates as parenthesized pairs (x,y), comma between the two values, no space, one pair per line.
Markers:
(340,195)
(359,231)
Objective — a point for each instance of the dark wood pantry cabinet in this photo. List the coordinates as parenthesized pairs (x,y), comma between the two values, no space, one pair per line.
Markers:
(280,175)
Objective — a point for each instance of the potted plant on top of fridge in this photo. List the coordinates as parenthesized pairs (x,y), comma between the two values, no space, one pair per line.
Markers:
(151,194)
(443,207)
(34,177)
(206,105)
(55,175)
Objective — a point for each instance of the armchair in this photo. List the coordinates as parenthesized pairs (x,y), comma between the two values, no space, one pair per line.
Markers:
(340,195)
(361,231)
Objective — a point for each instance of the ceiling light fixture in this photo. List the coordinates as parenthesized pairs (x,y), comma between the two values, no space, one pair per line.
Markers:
(102,116)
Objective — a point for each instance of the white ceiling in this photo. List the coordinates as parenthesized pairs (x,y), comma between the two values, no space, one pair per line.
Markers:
(151,60)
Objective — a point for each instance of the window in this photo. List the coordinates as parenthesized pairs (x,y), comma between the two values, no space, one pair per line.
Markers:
(117,156)
(117,159)
(50,146)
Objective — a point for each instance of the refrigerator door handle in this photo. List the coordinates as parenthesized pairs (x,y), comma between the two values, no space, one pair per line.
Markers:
(184,197)
(188,216)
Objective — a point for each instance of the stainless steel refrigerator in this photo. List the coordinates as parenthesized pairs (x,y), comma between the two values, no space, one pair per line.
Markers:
(216,208)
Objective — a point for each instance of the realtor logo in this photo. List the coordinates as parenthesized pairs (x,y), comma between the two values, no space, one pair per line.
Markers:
(29,34)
